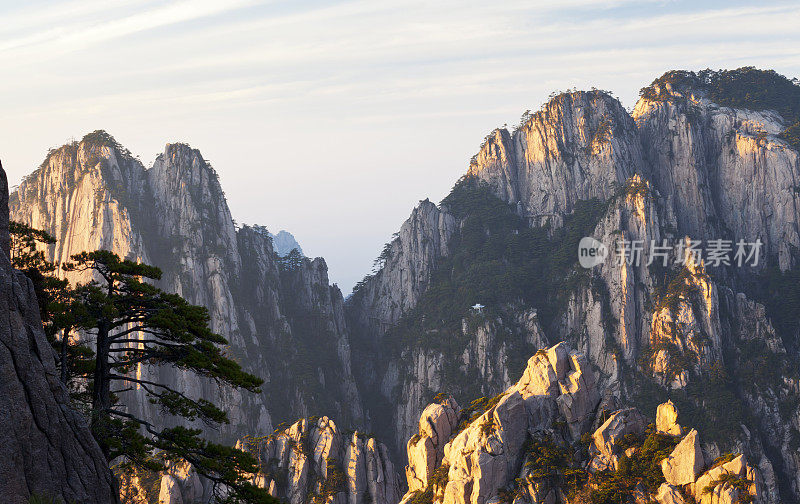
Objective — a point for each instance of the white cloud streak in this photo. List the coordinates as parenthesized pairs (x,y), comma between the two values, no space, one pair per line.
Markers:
(337,90)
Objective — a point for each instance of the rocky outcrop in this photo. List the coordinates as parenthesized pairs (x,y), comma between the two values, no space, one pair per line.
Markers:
(667,419)
(683,465)
(426,449)
(314,461)
(46,448)
(607,439)
(519,447)
(481,458)
(181,484)
(728,483)
(309,461)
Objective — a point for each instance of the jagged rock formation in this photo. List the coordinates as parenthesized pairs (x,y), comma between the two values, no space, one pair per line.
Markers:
(46,448)
(315,461)
(284,321)
(679,166)
(527,446)
(578,147)
(310,461)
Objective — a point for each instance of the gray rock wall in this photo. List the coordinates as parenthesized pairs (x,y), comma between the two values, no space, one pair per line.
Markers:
(46,448)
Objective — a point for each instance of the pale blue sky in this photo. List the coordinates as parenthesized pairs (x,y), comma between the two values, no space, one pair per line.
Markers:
(332,119)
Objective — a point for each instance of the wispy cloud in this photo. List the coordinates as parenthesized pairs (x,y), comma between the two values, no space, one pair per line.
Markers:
(346,93)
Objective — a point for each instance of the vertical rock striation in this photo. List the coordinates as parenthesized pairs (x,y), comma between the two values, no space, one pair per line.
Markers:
(313,460)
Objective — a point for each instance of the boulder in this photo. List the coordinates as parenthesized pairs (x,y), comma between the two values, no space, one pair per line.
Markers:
(605,438)
(685,462)
(668,494)
(667,419)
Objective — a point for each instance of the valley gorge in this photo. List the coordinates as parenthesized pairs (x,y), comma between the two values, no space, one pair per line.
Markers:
(479,339)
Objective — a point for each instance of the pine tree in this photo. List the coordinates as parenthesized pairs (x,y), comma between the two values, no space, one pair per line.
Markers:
(291,261)
(135,323)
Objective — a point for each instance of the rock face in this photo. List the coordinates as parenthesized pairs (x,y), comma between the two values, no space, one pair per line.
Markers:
(408,261)
(46,448)
(579,146)
(278,317)
(705,161)
(685,462)
(678,166)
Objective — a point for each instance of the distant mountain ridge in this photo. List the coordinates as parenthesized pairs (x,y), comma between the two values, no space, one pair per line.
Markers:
(284,242)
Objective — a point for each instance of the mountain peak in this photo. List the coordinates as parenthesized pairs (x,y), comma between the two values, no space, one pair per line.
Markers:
(284,242)
(744,88)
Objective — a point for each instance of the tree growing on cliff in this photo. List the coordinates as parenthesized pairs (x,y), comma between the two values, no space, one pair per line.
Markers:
(134,323)
(58,308)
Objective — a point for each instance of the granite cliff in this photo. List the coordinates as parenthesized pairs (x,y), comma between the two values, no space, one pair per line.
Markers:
(719,340)
(540,441)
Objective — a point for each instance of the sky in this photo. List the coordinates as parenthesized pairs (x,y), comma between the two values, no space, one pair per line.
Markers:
(333,119)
